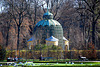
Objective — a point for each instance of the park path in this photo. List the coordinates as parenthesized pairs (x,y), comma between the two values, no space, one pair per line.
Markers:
(86,61)
(7,62)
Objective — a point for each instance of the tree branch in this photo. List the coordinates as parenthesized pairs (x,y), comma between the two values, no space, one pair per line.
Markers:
(97,16)
(89,6)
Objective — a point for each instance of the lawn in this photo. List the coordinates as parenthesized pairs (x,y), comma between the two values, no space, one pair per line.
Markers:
(31,64)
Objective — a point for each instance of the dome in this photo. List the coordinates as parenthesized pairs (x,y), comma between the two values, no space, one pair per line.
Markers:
(48,27)
(48,23)
(48,15)
(47,20)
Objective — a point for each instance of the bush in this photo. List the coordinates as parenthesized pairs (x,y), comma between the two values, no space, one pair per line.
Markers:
(91,53)
(2,53)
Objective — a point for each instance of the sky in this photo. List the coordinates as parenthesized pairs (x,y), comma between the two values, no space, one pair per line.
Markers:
(45,5)
(1,8)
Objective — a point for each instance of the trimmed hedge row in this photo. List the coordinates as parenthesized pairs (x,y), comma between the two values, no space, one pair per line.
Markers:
(56,54)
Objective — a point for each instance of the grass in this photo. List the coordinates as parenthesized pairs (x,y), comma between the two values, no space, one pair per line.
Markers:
(59,65)
(53,63)
(78,64)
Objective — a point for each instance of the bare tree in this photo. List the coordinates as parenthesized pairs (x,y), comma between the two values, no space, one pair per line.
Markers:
(18,11)
(93,6)
(89,13)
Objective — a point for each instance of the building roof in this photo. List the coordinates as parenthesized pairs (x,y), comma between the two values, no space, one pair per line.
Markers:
(48,15)
(48,23)
(52,39)
(65,39)
(47,20)
(31,39)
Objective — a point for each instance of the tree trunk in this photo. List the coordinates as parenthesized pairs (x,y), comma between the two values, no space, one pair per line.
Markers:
(18,37)
(18,30)
(35,12)
(93,32)
(7,34)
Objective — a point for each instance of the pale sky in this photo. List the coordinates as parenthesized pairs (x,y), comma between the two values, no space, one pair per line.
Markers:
(1,8)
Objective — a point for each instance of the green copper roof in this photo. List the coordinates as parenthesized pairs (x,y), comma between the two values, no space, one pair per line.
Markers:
(47,20)
(48,15)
